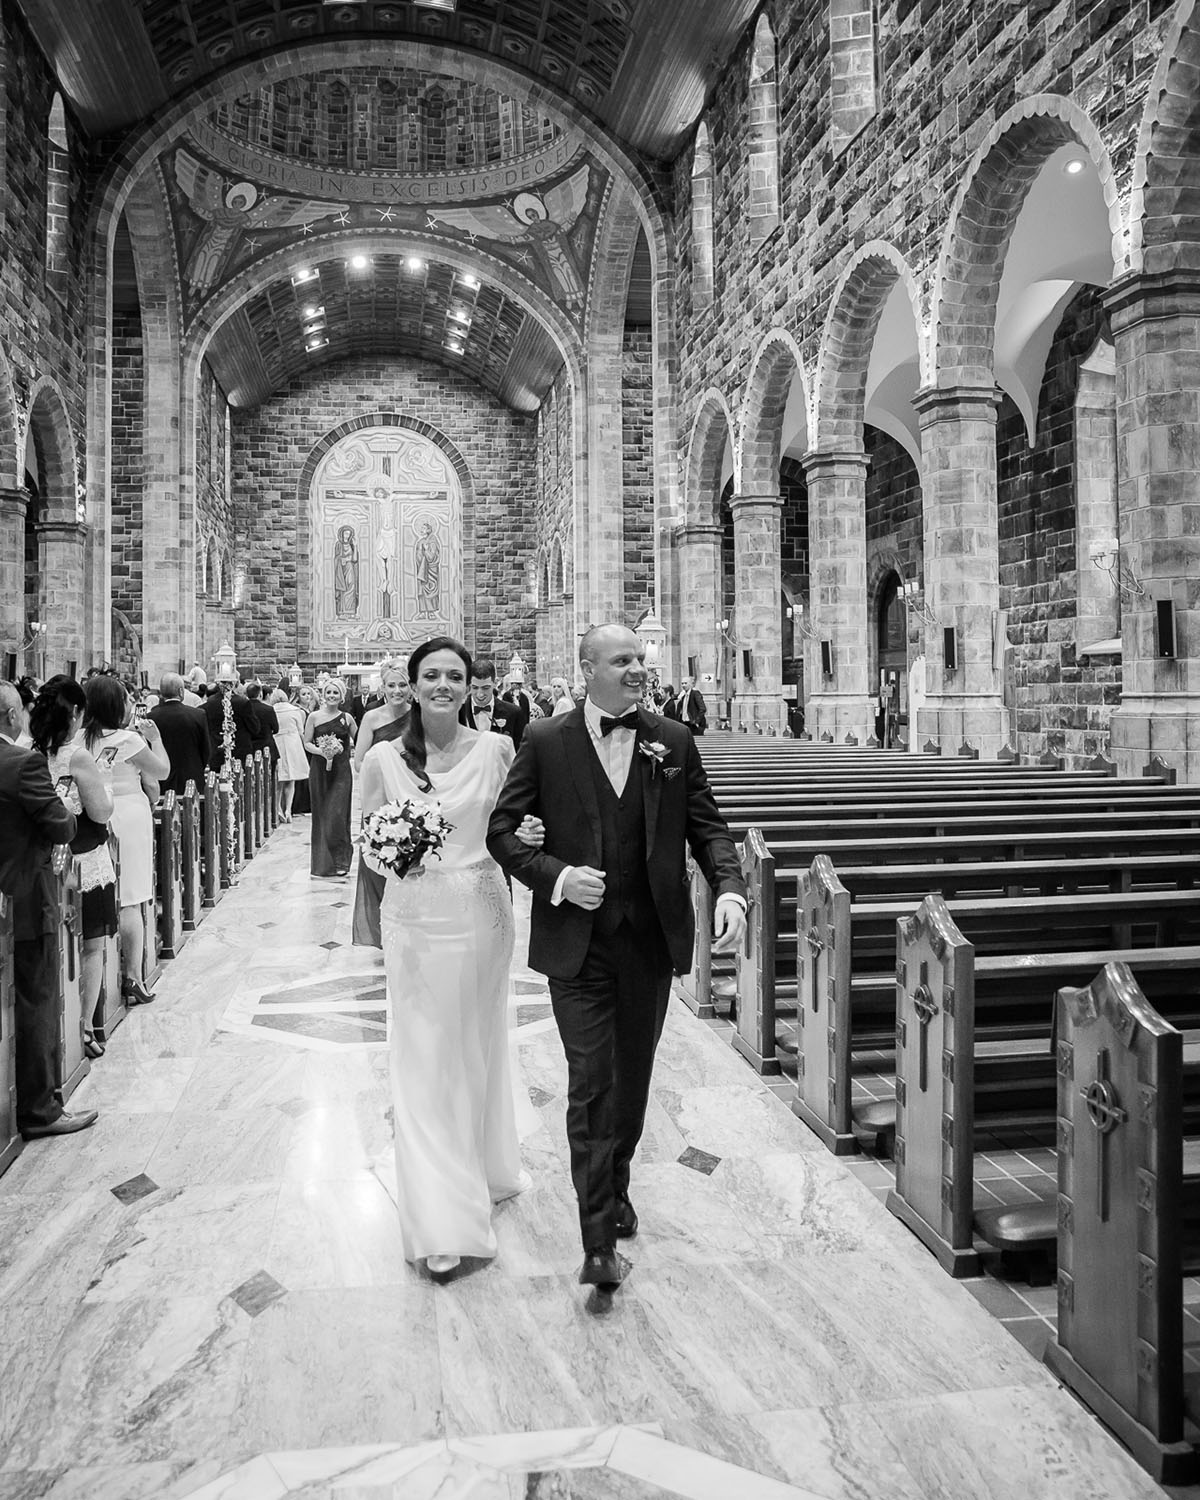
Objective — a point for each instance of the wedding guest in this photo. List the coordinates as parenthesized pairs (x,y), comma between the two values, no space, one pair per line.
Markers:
(185,736)
(34,820)
(378,726)
(329,738)
(132,761)
(265,721)
(485,711)
(56,723)
(562,699)
(244,724)
(289,743)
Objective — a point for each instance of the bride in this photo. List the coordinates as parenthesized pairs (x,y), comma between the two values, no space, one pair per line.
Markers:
(447,946)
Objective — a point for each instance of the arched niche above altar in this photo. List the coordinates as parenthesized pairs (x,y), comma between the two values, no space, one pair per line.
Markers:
(386,508)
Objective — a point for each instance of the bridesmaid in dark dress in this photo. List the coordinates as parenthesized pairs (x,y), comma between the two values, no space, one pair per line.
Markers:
(330,782)
(380,724)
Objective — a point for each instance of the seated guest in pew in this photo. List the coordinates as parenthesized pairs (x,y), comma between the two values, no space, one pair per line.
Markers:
(32,821)
(132,760)
(56,724)
(185,736)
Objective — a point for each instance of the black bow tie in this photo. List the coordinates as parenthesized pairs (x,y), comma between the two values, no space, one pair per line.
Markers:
(626,721)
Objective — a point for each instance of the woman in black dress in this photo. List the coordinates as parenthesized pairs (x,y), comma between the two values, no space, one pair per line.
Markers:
(329,739)
(382,723)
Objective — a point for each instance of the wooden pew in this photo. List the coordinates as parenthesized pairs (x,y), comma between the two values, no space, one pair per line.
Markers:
(111,1008)
(845,955)
(168,856)
(270,792)
(73,1065)
(11,1143)
(260,800)
(247,805)
(949,1086)
(1128,1120)
(191,858)
(754,1033)
(210,841)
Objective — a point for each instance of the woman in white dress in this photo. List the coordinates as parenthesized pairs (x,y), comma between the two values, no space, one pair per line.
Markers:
(447,947)
(293,760)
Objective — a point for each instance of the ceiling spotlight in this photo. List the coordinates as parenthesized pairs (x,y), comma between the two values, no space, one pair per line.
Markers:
(470,281)
(455,348)
(314,312)
(415,263)
(315,344)
(360,262)
(460,315)
(305,273)
(1074,165)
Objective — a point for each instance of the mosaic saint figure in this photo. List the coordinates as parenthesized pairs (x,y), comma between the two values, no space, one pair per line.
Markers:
(427,558)
(345,574)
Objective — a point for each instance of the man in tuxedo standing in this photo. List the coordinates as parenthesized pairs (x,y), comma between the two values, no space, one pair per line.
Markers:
(185,736)
(484,710)
(245,725)
(34,820)
(687,707)
(622,795)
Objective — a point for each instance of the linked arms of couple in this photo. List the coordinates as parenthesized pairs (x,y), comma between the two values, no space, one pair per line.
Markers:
(584,886)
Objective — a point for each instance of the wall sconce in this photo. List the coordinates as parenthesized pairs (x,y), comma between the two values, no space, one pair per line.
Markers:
(1105,553)
(914,601)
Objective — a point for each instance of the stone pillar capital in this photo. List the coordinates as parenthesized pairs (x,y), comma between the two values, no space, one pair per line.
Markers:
(954,402)
(695,533)
(14,500)
(754,504)
(65,531)
(835,463)
(1151,297)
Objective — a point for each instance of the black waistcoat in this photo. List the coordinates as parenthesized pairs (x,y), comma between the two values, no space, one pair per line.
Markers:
(627,893)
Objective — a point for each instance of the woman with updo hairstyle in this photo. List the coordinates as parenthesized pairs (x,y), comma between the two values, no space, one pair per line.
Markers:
(132,761)
(378,726)
(447,931)
(329,739)
(55,723)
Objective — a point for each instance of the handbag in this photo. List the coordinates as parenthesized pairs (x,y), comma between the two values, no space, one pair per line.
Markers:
(89,834)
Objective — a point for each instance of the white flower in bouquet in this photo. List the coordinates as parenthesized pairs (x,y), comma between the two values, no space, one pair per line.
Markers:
(399,835)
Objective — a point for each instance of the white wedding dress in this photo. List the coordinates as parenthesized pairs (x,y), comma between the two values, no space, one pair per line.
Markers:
(447,950)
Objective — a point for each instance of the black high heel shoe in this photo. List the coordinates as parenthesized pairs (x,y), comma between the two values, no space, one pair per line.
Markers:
(134,992)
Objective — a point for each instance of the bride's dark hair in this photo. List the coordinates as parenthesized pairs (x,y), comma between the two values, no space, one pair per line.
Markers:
(412,737)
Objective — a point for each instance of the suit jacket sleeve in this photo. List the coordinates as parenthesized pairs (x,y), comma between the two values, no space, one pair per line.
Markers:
(42,804)
(203,737)
(708,833)
(521,794)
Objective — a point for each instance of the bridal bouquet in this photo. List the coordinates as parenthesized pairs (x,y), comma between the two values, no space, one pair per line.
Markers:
(330,746)
(398,835)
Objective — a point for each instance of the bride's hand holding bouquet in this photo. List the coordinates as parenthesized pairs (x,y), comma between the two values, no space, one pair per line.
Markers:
(398,836)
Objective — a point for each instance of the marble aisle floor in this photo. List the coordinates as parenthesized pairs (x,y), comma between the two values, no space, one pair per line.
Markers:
(204,1295)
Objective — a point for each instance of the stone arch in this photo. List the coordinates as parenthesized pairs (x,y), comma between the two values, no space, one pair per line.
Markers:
(981,223)
(50,425)
(212,571)
(1164,201)
(712,431)
(849,336)
(557,580)
(763,158)
(703,200)
(776,364)
(226,576)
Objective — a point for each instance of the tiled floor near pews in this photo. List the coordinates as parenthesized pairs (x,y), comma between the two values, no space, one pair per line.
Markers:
(204,1295)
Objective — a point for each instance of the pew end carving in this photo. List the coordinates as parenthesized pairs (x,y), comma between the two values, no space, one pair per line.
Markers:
(822,1098)
(754,1035)
(191,857)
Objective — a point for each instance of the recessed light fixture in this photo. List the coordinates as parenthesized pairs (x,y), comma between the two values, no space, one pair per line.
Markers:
(1074,165)
(460,315)
(360,262)
(471,281)
(315,344)
(305,273)
(314,312)
(455,348)
(415,263)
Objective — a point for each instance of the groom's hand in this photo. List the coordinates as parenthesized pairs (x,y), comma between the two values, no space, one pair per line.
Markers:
(729,926)
(584,887)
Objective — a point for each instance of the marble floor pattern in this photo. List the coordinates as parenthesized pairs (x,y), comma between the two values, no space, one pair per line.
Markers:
(204,1295)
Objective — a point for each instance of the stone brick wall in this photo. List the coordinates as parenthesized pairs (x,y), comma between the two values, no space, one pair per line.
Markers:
(555,493)
(215,522)
(1062,697)
(637,409)
(946,73)
(272,443)
(128,464)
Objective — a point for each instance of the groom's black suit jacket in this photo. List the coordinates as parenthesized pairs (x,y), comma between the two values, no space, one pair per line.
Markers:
(552,778)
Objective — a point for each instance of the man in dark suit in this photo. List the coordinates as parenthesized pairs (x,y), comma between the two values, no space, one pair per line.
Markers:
(687,707)
(515,694)
(484,710)
(622,795)
(266,722)
(362,702)
(34,820)
(185,736)
(244,724)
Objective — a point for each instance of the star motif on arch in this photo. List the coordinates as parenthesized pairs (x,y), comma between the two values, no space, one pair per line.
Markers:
(471,235)
(432,221)
(386,215)
(343,218)
(252,246)
(306,229)
(524,257)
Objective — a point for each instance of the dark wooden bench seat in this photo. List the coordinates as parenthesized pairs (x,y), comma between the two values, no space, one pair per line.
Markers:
(1128,1126)
(949,1087)
(910,801)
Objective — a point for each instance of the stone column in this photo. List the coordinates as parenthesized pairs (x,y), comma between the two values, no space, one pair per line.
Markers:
(962,571)
(756,601)
(13,505)
(60,562)
(698,549)
(566,641)
(601,559)
(1156,329)
(837,701)
(541,644)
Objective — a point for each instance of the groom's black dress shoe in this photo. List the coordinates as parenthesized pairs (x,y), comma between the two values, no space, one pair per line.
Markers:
(625,1224)
(601,1267)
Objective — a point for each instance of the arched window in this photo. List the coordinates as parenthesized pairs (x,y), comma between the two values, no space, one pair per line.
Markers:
(58,193)
(764,135)
(212,572)
(702,219)
(852,68)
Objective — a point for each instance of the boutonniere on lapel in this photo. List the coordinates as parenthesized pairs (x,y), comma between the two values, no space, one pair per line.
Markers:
(656,753)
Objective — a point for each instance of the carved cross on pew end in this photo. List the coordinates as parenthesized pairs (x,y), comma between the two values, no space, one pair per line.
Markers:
(926,1008)
(1106,1113)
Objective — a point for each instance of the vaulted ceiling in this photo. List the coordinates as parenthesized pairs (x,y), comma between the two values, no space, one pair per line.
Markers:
(454,114)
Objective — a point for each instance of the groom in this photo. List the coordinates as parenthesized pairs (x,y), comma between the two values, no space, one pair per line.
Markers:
(622,794)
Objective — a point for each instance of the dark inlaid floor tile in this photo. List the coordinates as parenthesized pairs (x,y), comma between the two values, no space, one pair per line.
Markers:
(257,1293)
(699,1161)
(134,1188)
